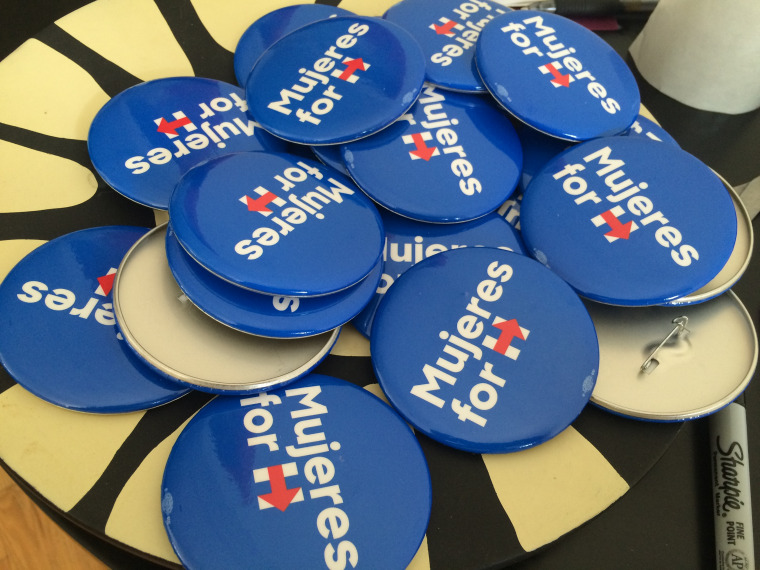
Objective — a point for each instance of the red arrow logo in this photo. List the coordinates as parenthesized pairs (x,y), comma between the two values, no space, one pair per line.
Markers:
(559,79)
(260,204)
(421,150)
(445,29)
(281,496)
(617,229)
(106,282)
(170,128)
(352,65)
(508,330)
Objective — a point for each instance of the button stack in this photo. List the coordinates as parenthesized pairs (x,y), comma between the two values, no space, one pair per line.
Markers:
(488,207)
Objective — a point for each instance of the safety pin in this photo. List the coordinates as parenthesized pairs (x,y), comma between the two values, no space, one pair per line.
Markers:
(679,330)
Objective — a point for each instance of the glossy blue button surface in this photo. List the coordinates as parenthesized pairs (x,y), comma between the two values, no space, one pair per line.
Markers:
(629,221)
(147,137)
(271,27)
(336,80)
(484,350)
(454,157)
(557,76)
(277,224)
(266,315)
(408,242)
(318,474)
(447,31)
(58,336)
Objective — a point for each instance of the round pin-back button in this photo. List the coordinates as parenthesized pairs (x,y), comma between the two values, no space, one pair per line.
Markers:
(336,80)
(58,336)
(408,242)
(456,157)
(629,221)
(673,363)
(274,316)
(271,27)
(277,224)
(643,127)
(144,139)
(323,463)
(557,76)
(447,32)
(484,350)
(173,336)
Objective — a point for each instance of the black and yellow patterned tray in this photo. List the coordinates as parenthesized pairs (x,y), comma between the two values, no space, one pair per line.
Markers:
(103,473)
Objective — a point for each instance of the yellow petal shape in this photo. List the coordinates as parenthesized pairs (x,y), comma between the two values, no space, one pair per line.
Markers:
(12,251)
(351,343)
(364,8)
(227,20)
(132,34)
(61,464)
(46,92)
(570,482)
(32,180)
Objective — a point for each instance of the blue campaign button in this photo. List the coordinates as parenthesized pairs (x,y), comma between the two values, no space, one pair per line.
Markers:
(643,127)
(273,316)
(485,350)
(557,76)
(408,242)
(58,335)
(629,221)
(271,27)
(447,31)
(277,224)
(146,138)
(336,80)
(454,156)
(319,474)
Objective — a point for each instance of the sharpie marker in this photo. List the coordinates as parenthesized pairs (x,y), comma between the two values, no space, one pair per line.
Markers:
(732,501)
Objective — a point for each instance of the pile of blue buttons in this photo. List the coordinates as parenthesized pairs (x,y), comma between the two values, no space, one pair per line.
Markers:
(357,148)
(452,178)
